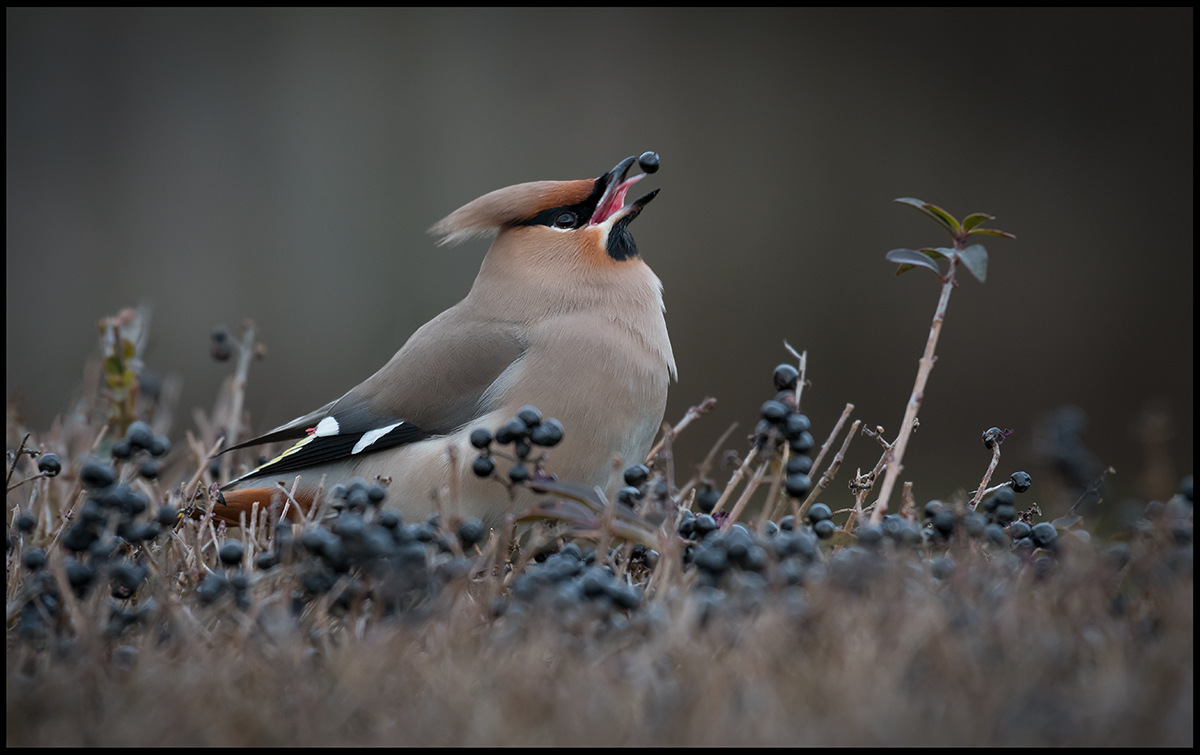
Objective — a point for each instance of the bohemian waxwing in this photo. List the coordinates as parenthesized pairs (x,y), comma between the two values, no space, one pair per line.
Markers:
(564,316)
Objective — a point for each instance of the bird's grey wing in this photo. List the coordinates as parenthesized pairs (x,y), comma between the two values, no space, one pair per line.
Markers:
(433,385)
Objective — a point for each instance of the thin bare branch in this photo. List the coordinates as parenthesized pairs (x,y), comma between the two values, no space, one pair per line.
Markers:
(830,473)
(692,414)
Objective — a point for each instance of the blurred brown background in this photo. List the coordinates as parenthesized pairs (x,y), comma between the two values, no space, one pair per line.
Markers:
(283,165)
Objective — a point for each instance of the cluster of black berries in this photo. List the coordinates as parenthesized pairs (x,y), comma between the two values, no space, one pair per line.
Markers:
(642,488)
(897,530)
(998,524)
(569,580)
(111,507)
(233,580)
(141,441)
(1000,507)
(103,540)
(782,553)
(524,432)
(366,552)
(781,421)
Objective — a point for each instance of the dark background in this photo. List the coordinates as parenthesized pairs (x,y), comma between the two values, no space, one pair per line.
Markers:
(283,165)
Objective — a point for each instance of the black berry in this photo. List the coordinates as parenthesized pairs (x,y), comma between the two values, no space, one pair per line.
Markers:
(795,424)
(648,162)
(1044,534)
(706,498)
(629,495)
(389,519)
(481,437)
(96,474)
(79,537)
(139,435)
(712,560)
(1018,530)
(992,436)
(79,574)
(869,536)
(1005,513)
(786,376)
(798,485)
(160,446)
(636,475)
(49,465)
(799,464)
(512,430)
(167,516)
(704,524)
(357,499)
(995,534)
(1020,481)
(943,522)
(530,416)
(470,532)
(802,443)
(126,578)
(819,512)
(774,411)
(212,587)
(34,559)
(149,469)
(548,434)
(483,466)
(231,553)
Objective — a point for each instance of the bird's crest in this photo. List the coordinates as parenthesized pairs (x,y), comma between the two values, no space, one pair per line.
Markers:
(507,206)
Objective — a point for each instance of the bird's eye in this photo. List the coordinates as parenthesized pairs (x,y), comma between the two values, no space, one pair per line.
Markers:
(565,220)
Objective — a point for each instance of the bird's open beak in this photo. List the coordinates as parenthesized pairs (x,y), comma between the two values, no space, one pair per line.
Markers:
(612,202)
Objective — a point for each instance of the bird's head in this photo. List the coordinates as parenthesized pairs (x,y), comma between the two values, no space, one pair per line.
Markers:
(586,221)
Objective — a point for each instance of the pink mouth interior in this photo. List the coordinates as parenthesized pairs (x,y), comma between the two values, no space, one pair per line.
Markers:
(612,203)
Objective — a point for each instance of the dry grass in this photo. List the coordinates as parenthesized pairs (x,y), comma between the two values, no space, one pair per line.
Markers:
(1085,648)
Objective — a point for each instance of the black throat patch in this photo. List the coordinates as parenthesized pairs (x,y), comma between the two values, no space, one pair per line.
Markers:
(621,245)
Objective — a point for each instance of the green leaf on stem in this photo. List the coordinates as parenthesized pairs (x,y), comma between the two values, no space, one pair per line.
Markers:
(975,259)
(940,252)
(974,219)
(910,258)
(937,213)
(946,218)
(993,232)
